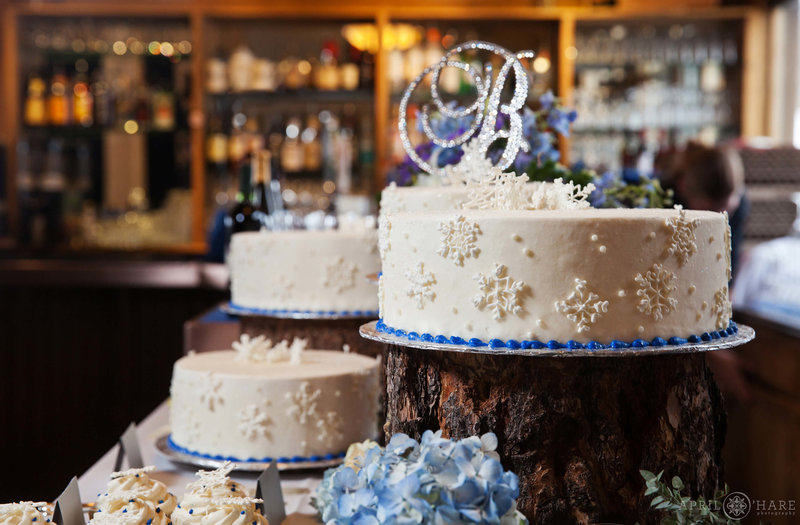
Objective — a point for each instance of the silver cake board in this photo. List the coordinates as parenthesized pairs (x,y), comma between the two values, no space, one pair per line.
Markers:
(744,335)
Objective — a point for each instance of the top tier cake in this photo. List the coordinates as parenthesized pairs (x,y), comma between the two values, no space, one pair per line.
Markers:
(530,277)
(305,270)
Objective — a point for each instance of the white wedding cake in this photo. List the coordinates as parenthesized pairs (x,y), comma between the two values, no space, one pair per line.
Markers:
(550,271)
(260,402)
(314,271)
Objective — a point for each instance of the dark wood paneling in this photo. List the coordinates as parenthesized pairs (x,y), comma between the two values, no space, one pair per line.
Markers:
(77,364)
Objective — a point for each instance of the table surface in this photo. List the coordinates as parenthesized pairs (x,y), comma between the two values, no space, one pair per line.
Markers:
(297,486)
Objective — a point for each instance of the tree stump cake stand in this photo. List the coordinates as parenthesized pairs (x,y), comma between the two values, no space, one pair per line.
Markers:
(576,426)
(322,330)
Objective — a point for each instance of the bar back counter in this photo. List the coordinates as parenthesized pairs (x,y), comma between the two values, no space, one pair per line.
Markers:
(87,347)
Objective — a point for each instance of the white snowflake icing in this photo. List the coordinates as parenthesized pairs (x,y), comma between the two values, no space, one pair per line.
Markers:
(499,292)
(330,427)
(458,239)
(390,204)
(420,286)
(582,306)
(655,287)
(209,391)
(384,229)
(211,478)
(253,422)
(727,247)
(682,239)
(285,287)
(497,191)
(187,423)
(561,196)
(340,274)
(472,167)
(722,308)
(303,403)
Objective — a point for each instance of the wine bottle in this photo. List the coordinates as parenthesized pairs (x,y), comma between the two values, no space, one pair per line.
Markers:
(241,217)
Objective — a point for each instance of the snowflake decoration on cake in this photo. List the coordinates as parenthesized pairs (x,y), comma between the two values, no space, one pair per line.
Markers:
(209,391)
(497,190)
(458,239)
(420,285)
(253,422)
(384,228)
(727,246)
(582,306)
(330,427)
(499,293)
(186,423)
(211,478)
(655,287)
(722,308)
(682,239)
(250,349)
(473,166)
(303,403)
(559,195)
(340,274)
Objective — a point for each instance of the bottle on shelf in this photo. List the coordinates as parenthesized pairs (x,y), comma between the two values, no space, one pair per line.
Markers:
(82,102)
(35,105)
(312,148)
(292,151)
(58,109)
(349,70)
(326,74)
(240,218)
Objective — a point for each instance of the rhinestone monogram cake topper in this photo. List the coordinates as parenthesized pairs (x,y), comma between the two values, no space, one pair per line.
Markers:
(484,110)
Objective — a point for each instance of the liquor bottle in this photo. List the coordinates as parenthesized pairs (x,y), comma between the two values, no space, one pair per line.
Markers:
(326,75)
(35,105)
(240,218)
(163,110)
(292,153)
(82,103)
(58,102)
(53,186)
(349,70)
(366,74)
(312,147)
(262,177)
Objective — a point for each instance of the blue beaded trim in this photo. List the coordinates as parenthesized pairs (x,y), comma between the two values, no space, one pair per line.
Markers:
(262,311)
(293,459)
(556,345)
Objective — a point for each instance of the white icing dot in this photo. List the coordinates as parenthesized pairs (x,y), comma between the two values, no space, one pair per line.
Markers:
(704,305)
(699,316)
(710,239)
(652,235)
(719,256)
(594,237)
(455,310)
(640,329)
(531,334)
(602,249)
(692,288)
(414,249)
(405,235)
(516,237)
(468,326)
(528,252)
(346,348)
(621,293)
(540,323)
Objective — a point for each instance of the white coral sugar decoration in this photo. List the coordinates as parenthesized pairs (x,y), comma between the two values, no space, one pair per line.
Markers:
(459,238)
(582,306)
(499,293)
(559,195)
(682,238)
(420,284)
(473,166)
(722,308)
(655,288)
(497,190)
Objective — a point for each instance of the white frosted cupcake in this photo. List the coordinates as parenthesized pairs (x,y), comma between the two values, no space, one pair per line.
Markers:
(215,498)
(129,509)
(22,513)
(138,483)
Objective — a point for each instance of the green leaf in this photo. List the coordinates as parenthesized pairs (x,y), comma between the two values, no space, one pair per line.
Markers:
(677,483)
(656,501)
(650,490)
(647,475)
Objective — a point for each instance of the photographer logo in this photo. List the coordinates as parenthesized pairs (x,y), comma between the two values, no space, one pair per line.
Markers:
(736,505)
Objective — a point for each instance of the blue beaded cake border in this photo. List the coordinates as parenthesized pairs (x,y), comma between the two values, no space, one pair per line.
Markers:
(235,308)
(556,345)
(294,459)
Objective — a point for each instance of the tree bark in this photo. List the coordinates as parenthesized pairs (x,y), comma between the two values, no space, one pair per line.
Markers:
(576,430)
(322,334)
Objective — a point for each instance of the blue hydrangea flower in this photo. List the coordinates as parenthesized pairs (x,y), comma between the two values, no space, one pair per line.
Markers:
(435,480)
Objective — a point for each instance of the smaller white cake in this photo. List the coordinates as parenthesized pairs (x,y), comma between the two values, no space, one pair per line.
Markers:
(305,270)
(261,402)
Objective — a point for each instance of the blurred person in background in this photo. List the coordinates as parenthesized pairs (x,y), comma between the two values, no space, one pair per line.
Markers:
(706,178)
